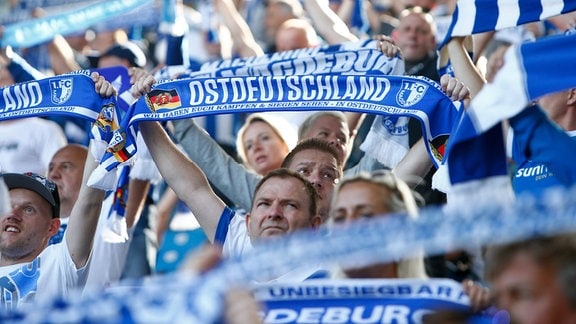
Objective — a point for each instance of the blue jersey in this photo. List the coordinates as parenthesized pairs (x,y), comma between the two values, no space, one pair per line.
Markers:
(543,153)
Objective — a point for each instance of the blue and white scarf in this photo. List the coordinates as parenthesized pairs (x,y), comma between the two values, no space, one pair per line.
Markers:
(116,230)
(475,153)
(359,300)
(387,95)
(39,30)
(68,94)
(355,57)
(71,95)
(476,16)
(350,58)
(384,239)
(120,79)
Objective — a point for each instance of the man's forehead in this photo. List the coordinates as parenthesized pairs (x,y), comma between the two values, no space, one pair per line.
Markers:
(64,160)
(413,20)
(279,186)
(69,155)
(325,122)
(312,156)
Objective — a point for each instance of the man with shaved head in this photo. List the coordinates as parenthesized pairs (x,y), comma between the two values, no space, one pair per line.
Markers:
(65,169)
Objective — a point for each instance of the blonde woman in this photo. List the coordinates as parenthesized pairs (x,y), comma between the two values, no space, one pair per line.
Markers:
(264,141)
(375,195)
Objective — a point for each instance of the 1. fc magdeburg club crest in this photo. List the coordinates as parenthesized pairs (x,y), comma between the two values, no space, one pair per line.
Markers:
(411,93)
(61,90)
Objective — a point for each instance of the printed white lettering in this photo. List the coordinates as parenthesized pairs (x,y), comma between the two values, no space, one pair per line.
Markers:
(538,171)
(343,62)
(282,68)
(20,96)
(266,90)
(324,88)
(365,61)
(251,89)
(396,314)
(238,90)
(310,315)
(196,93)
(280,316)
(211,92)
(375,315)
(294,91)
(222,86)
(335,315)
(323,63)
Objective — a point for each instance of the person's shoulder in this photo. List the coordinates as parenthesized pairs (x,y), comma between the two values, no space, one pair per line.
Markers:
(40,123)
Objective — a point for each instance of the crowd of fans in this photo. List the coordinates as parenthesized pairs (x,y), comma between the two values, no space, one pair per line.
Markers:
(241,179)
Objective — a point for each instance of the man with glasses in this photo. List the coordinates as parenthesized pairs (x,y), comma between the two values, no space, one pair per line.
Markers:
(238,184)
(285,200)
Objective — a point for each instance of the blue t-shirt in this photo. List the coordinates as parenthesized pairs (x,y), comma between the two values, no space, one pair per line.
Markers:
(543,153)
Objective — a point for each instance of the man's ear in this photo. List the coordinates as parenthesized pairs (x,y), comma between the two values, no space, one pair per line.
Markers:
(316,221)
(571,100)
(54,226)
(394,35)
(247,222)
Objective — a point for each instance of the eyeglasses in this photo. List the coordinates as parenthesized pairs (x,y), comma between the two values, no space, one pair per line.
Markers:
(325,176)
(413,8)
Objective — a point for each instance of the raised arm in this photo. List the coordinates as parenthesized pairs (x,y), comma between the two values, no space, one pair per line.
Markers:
(19,70)
(165,206)
(84,216)
(62,57)
(244,41)
(416,163)
(230,177)
(184,177)
(464,68)
(333,29)
(60,52)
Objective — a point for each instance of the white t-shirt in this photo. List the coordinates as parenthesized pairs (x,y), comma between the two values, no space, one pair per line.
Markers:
(52,273)
(236,239)
(107,260)
(28,144)
(232,232)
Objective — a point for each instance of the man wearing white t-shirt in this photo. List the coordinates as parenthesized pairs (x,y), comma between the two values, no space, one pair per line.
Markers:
(66,169)
(284,201)
(30,270)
